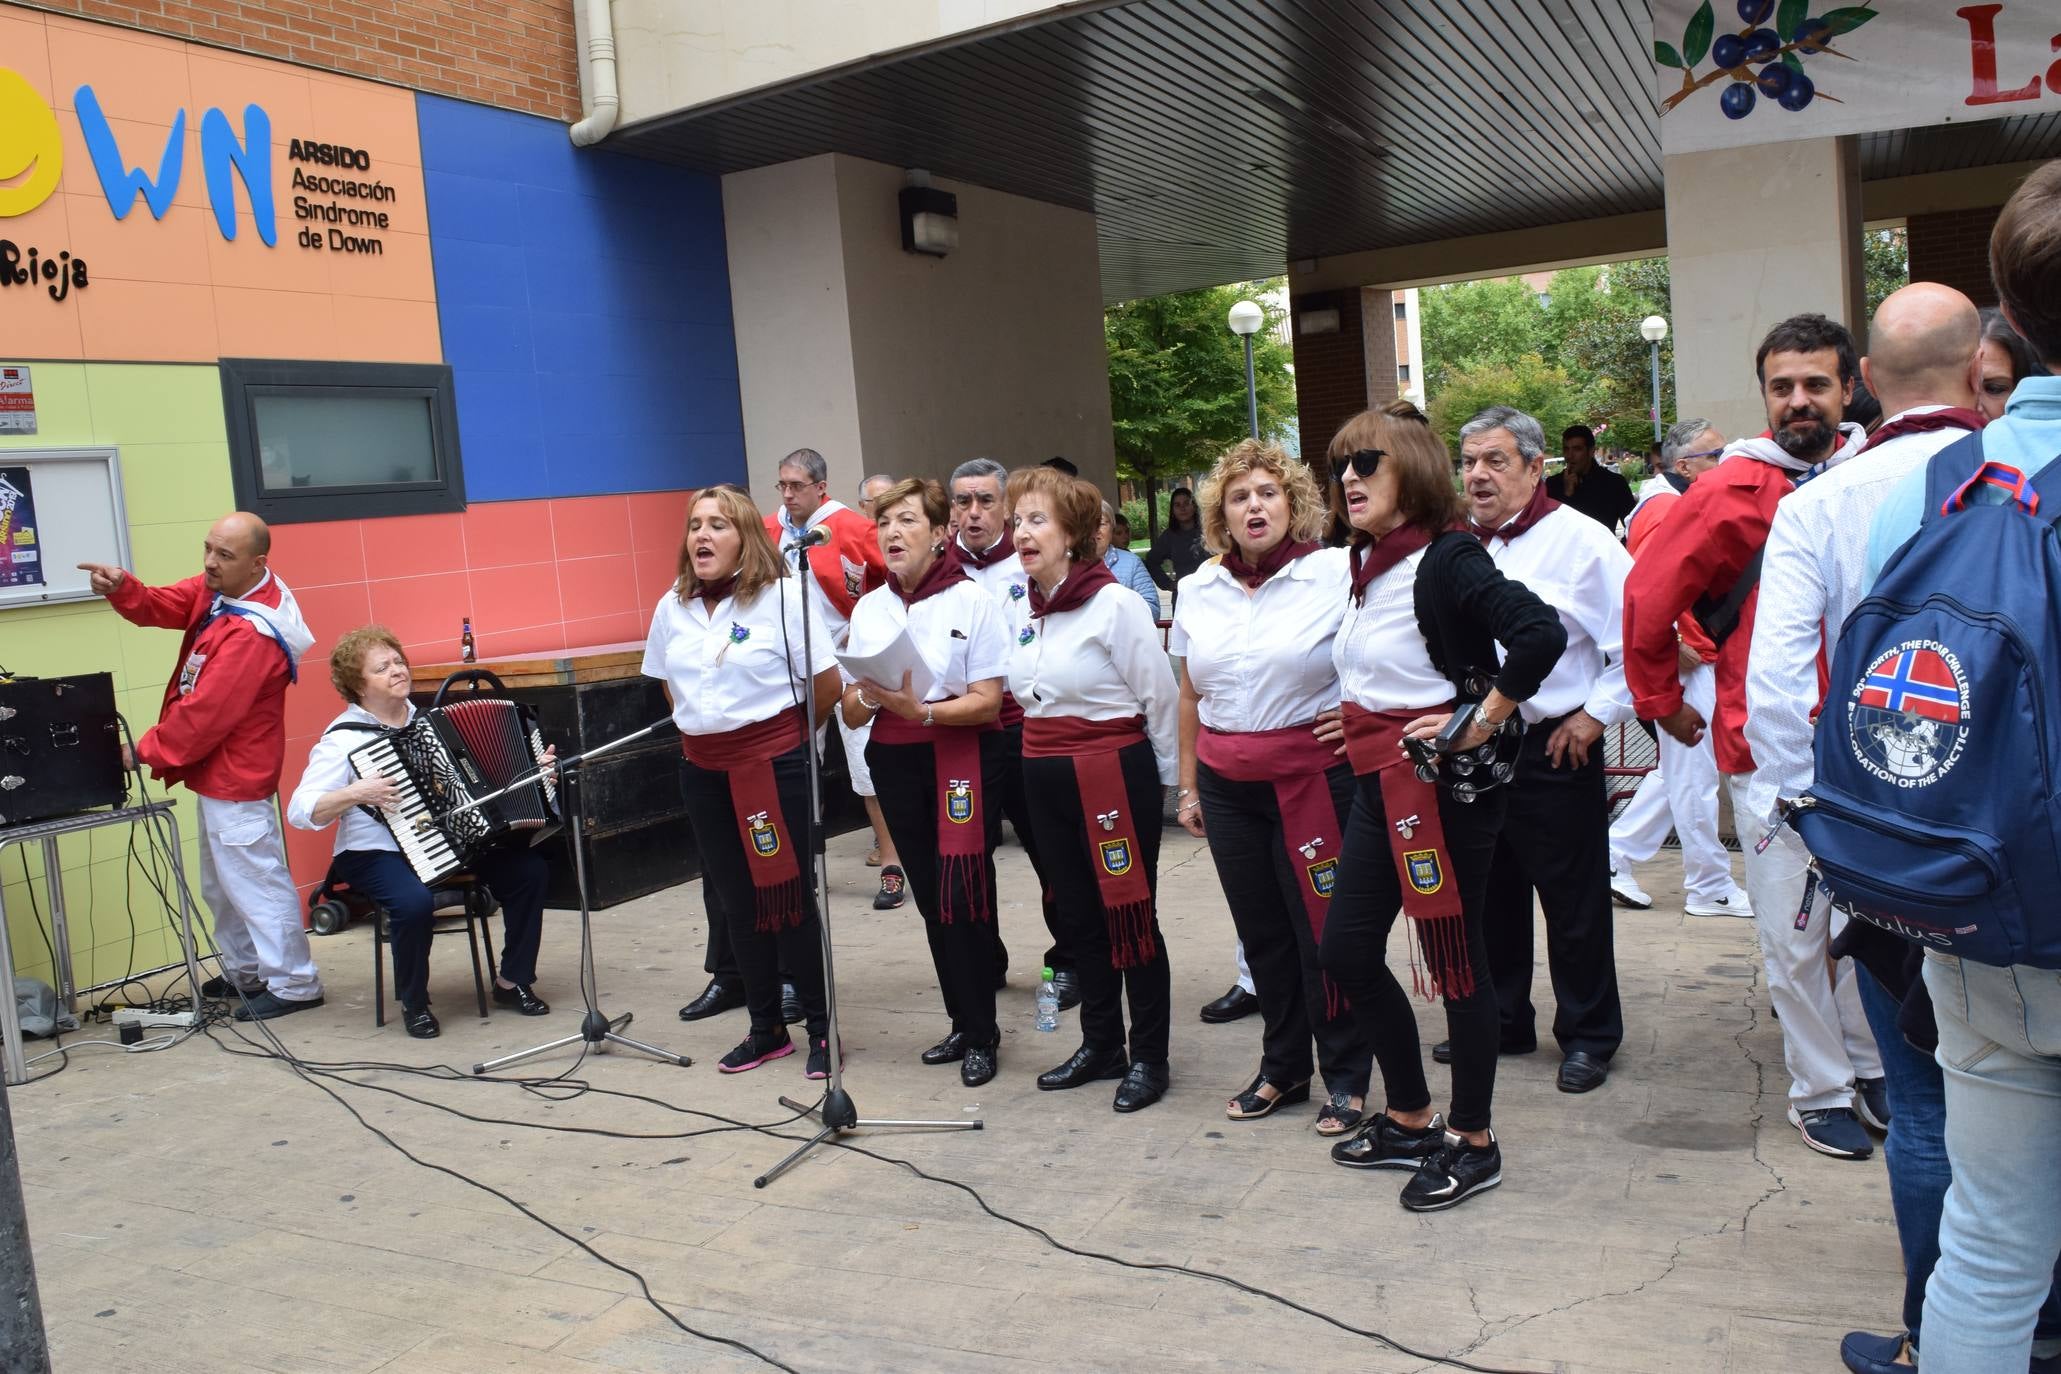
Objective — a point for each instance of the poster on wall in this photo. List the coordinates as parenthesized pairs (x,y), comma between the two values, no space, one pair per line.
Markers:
(17,402)
(21,557)
(1731,73)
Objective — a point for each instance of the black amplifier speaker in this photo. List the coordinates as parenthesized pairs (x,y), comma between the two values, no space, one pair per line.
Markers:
(60,747)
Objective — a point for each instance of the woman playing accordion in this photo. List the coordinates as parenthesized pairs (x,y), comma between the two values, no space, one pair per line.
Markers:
(727,642)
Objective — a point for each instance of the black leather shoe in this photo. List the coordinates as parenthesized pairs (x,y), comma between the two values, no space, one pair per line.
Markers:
(718,996)
(949,1050)
(1232,1006)
(790,1004)
(1085,1066)
(522,998)
(1144,1085)
(1067,984)
(1582,1072)
(978,1066)
(222,989)
(422,1023)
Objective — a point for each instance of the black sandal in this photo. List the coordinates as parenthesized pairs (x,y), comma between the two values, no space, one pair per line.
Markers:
(1250,1106)
(1337,1116)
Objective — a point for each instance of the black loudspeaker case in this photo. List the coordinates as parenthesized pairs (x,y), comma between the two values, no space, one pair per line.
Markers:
(60,747)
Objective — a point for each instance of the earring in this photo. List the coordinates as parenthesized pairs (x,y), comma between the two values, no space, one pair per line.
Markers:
(937,548)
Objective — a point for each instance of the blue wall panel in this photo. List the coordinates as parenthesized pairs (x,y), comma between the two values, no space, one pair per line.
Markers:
(584,300)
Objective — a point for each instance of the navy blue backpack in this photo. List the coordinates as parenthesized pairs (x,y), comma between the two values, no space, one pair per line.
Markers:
(1934,810)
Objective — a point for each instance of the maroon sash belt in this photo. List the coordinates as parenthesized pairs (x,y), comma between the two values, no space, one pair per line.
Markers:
(1417,847)
(1112,832)
(962,832)
(745,756)
(1294,761)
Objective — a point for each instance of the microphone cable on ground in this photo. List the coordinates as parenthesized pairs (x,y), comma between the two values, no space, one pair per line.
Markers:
(562,1087)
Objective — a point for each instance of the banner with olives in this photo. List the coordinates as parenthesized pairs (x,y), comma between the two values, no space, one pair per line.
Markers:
(1729,73)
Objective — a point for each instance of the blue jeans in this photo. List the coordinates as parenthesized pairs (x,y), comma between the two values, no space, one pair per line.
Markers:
(1916,1147)
(2000,1229)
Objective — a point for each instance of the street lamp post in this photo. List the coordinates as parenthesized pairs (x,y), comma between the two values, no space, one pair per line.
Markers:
(1653,329)
(1245,320)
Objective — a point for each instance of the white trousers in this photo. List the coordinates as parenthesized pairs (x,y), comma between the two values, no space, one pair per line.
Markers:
(855,738)
(1682,796)
(1825,1037)
(244,881)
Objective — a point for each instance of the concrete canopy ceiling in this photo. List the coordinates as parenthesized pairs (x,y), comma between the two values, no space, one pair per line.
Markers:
(1218,140)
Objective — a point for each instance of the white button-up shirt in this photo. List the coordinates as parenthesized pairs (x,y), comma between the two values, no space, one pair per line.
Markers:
(329,768)
(1379,654)
(1814,573)
(1578,568)
(1009,585)
(1101,661)
(958,632)
(738,664)
(1262,661)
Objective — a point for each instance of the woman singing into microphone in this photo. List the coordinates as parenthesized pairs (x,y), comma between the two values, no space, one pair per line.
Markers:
(727,642)
(937,757)
(1425,613)
(1099,741)
(1255,628)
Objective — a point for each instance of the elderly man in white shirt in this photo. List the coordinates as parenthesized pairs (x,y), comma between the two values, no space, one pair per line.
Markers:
(1924,365)
(1555,840)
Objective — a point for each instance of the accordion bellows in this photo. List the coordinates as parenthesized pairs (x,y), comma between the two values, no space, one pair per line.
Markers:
(445,761)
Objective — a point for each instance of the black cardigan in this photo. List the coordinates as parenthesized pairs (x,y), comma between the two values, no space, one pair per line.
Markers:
(1465,607)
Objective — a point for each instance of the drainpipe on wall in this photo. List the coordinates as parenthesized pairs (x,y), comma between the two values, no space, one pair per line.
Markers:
(597,76)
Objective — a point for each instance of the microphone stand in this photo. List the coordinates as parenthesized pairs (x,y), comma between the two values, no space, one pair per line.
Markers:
(836,1113)
(597,1030)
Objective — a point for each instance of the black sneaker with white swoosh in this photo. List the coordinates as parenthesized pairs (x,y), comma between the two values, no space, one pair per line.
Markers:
(1454,1173)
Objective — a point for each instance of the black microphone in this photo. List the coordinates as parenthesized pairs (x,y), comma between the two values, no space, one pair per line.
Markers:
(819,535)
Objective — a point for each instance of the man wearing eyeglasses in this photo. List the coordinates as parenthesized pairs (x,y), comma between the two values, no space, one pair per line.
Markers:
(847,565)
(1682,794)
(1555,840)
(983,547)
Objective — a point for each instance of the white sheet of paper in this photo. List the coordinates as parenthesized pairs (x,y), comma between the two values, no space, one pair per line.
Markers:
(886,665)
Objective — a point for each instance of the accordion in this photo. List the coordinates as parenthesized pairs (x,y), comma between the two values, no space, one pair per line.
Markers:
(444,761)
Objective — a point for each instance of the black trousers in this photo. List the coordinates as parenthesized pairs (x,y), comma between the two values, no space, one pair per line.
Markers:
(1557,844)
(1055,808)
(1265,893)
(761,955)
(516,877)
(1016,806)
(964,952)
(1364,907)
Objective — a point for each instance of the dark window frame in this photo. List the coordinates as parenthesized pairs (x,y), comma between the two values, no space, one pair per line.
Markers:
(245,380)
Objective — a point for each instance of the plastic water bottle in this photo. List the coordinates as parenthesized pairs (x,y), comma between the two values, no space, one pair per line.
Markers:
(1048,1004)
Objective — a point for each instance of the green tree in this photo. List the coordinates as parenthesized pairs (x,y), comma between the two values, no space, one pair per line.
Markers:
(1177,378)
(1603,345)
(1530,383)
(1474,324)
(1885,264)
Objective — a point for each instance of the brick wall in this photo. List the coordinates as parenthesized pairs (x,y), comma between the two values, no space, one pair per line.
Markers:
(1952,247)
(517,54)
(1339,374)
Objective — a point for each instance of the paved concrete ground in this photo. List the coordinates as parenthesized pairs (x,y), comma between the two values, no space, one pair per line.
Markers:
(194,1211)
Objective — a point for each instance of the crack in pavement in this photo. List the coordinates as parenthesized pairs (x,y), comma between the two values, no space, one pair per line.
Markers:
(1778,1186)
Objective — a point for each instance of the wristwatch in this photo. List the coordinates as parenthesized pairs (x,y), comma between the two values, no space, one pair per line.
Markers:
(1481,718)
(927,720)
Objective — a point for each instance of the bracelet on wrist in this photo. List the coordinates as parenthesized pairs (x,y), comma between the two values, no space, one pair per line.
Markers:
(865,700)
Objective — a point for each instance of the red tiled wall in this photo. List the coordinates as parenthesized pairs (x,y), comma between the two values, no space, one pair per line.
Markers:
(537,577)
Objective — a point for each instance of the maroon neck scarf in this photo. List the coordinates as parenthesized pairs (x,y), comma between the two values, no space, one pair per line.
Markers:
(713,590)
(940,576)
(1270,562)
(1371,559)
(1951,417)
(1538,508)
(1083,580)
(995,553)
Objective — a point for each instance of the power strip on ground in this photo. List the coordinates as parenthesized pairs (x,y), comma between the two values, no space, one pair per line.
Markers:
(132,1016)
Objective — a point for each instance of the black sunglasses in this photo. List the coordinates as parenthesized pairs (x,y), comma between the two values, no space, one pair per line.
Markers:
(1362,461)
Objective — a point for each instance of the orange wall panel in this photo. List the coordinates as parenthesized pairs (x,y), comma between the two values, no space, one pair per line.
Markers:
(176,289)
